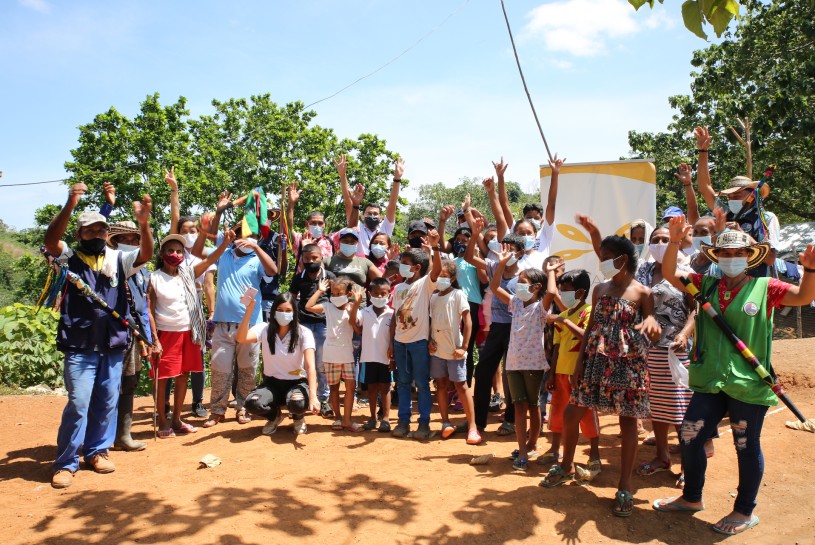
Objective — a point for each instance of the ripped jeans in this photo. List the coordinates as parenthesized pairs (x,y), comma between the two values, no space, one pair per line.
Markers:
(702,418)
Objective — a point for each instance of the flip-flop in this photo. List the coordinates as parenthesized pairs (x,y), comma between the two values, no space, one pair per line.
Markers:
(549,458)
(355,427)
(185,428)
(667,505)
(337,425)
(214,420)
(749,524)
(647,469)
(166,433)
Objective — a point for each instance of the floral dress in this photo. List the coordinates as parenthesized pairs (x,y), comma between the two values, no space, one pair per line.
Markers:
(615,373)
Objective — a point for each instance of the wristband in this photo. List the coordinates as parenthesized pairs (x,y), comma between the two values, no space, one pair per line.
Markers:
(677,242)
(701,150)
(397,180)
(807,269)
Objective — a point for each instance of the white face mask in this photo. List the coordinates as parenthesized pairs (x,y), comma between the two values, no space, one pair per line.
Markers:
(535,223)
(569,298)
(189,240)
(732,266)
(735,206)
(608,270)
(658,251)
(283,318)
(339,300)
(126,248)
(379,302)
(443,283)
(315,230)
(697,242)
(494,245)
(522,292)
(405,271)
(512,261)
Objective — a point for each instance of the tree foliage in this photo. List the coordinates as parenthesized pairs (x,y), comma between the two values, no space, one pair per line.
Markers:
(697,14)
(28,354)
(245,143)
(763,69)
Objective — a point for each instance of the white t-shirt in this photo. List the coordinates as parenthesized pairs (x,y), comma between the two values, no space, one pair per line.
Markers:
(532,260)
(411,306)
(283,364)
(339,335)
(171,313)
(191,262)
(445,315)
(365,236)
(544,242)
(375,335)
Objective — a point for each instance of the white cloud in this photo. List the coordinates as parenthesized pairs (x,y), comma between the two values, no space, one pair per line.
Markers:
(37,5)
(584,28)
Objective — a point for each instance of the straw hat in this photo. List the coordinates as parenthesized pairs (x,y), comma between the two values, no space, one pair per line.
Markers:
(737,239)
(743,182)
(123,228)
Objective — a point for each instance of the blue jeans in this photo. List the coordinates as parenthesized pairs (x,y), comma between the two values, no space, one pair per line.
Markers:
(701,421)
(413,365)
(318,330)
(89,419)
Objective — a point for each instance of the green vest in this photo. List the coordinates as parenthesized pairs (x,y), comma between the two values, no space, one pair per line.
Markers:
(718,366)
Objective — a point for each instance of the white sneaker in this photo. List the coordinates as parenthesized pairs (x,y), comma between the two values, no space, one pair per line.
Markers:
(272,425)
(300,426)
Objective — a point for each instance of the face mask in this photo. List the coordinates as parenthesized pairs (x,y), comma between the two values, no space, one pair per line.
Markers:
(697,242)
(94,246)
(338,300)
(529,242)
(512,261)
(688,251)
(371,222)
(658,251)
(735,206)
(189,240)
(315,230)
(608,270)
(404,271)
(522,292)
(312,267)
(569,298)
(378,250)
(415,242)
(494,245)
(732,266)
(459,248)
(379,302)
(639,248)
(535,223)
(442,283)
(126,248)
(348,250)
(174,260)
(245,252)
(283,318)
(464,225)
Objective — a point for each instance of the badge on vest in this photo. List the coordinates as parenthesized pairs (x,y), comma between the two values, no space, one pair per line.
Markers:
(750,309)
(114,281)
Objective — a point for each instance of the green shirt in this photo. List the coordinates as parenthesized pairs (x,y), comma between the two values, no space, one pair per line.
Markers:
(718,366)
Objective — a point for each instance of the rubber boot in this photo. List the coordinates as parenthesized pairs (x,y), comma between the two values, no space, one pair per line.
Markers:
(123,424)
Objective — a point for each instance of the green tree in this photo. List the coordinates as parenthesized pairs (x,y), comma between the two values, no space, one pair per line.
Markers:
(764,69)
(697,14)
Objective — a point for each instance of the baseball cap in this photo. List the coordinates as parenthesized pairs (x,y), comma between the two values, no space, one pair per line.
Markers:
(348,231)
(89,218)
(672,212)
(169,238)
(417,225)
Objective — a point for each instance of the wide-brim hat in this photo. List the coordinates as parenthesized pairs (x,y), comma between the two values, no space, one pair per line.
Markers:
(123,228)
(737,239)
(272,214)
(737,184)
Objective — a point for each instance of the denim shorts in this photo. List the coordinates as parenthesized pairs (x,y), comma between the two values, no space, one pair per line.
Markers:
(455,370)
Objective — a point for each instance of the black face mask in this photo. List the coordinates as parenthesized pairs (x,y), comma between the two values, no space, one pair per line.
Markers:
(415,242)
(94,246)
(372,222)
(312,267)
(459,248)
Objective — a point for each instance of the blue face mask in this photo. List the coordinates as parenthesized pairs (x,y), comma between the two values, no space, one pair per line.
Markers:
(697,242)
(378,250)
(639,248)
(569,298)
(348,250)
(494,245)
(522,292)
(535,223)
(529,242)
(443,283)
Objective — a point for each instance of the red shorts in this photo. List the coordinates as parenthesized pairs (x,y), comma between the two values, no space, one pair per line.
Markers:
(560,398)
(180,355)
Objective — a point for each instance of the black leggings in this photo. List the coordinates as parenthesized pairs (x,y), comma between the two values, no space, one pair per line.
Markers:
(266,399)
(495,348)
(475,316)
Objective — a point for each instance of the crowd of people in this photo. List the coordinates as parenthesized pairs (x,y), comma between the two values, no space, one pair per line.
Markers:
(365,321)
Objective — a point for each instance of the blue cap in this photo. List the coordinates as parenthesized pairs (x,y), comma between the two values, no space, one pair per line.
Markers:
(672,212)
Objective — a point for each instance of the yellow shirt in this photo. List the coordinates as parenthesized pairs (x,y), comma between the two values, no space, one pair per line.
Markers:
(568,341)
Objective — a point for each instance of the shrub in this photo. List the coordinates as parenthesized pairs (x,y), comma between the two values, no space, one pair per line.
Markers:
(28,353)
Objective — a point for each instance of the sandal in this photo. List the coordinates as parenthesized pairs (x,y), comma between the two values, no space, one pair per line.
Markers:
(243,417)
(652,468)
(505,429)
(521,464)
(447,430)
(355,427)
(747,525)
(623,504)
(592,470)
(337,425)
(549,458)
(166,433)
(680,481)
(473,437)
(214,420)
(185,428)
(556,477)
(669,505)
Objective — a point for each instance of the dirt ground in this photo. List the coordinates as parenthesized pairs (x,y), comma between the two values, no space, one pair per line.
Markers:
(342,488)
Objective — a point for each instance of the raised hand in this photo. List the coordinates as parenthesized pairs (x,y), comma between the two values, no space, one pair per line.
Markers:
(465,205)
(76,192)
(446,213)
(586,222)
(224,201)
(500,168)
(684,174)
(206,220)
(703,138)
(721,219)
(358,194)
(246,244)
(555,164)
(394,251)
(479,226)
(505,254)
(306,237)
(553,266)
(807,257)
(489,184)
(169,177)
(341,163)
(324,285)
(433,238)
(356,297)
(294,193)
(678,228)
(110,193)
(230,236)
(398,168)
(142,209)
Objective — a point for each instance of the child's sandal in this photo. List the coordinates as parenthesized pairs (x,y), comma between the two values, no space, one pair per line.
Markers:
(337,425)
(556,477)
(623,504)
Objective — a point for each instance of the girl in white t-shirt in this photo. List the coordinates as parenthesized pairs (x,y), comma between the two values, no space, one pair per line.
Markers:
(289,375)
(450,330)
(338,349)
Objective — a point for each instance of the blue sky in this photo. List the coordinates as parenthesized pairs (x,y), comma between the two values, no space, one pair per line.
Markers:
(596,69)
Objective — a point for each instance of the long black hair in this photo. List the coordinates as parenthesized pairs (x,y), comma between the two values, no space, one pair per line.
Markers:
(274,327)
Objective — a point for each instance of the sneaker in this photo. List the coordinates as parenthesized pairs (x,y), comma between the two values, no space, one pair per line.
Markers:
(272,425)
(300,426)
(101,463)
(370,424)
(423,432)
(384,426)
(495,403)
(62,478)
(199,410)
(401,430)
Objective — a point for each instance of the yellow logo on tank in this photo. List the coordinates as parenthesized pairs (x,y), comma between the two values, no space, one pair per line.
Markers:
(574,233)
